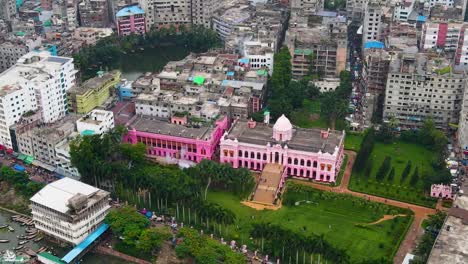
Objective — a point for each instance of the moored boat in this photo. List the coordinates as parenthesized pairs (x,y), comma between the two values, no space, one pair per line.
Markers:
(11,229)
(3,226)
(4,240)
(38,239)
(19,247)
(22,242)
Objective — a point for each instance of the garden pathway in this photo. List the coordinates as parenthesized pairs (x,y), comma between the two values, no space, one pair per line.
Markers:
(420,212)
(384,218)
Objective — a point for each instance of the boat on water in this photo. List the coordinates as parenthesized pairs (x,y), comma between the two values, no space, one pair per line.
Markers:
(10,257)
(38,239)
(18,248)
(11,229)
(30,237)
(3,226)
(23,242)
(4,240)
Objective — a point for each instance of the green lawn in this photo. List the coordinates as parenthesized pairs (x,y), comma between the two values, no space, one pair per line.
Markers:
(301,117)
(353,141)
(337,219)
(400,153)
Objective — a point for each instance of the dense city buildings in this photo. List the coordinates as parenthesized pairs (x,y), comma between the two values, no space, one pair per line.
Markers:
(318,44)
(307,153)
(38,81)
(94,13)
(131,20)
(95,122)
(69,210)
(10,54)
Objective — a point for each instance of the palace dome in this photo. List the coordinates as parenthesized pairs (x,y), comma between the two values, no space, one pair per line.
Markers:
(282,124)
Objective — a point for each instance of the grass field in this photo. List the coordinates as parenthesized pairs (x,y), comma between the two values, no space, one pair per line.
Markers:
(302,117)
(353,141)
(337,219)
(400,153)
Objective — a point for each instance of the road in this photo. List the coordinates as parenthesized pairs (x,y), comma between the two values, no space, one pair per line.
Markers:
(420,212)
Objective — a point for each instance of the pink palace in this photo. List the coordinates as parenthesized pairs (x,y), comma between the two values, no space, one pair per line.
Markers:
(309,153)
(175,140)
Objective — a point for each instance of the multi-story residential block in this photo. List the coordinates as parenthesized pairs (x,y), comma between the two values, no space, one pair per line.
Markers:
(8,10)
(226,18)
(94,13)
(260,55)
(131,20)
(165,14)
(375,71)
(69,210)
(309,153)
(448,12)
(40,141)
(403,9)
(10,53)
(318,44)
(203,10)
(463,125)
(95,122)
(89,36)
(422,86)
(372,25)
(177,141)
(307,6)
(442,35)
(93,92)
(38,81)
(355,9)
(63,164)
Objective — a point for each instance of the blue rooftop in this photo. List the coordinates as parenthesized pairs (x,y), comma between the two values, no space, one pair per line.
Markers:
(230,73)
(85,243)
(374,45)
(130,11)
(421,18)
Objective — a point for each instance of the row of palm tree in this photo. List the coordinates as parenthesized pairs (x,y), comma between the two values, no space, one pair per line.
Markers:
(286,244)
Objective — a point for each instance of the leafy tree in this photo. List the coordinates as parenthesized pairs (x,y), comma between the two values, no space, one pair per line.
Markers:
(368,169)
(127,222)
(365,150)
(334,108)
(151,239)
(391,175)
(415,177)
(383,170)
(406,171)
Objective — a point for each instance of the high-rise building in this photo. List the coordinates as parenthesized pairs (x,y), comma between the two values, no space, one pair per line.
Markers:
(38,81)
(131,20)
(8,9)
(69,210)
(372,25)
(307,6)
(422,86)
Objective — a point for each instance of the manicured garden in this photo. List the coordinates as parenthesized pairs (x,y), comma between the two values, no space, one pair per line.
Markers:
(340,218)
(353,141)
(396,170)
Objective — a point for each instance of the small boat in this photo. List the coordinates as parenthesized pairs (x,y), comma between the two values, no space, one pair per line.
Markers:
(38,239)
(19,247)
(11,229)
(4,240)
(30,237)
(3,226)
(31,232)
(23,242)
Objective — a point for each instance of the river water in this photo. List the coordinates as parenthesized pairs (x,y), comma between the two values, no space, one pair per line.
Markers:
(5,218)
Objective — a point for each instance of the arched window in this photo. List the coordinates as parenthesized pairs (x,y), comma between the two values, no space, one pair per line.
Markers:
(264,156)
(315,164)
(289,160)
(295,161)
(308,163)
(258,155)
(246,154)
(252,155)
(302,162)
(240,153)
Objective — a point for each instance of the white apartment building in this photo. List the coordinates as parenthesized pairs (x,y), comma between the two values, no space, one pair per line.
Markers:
(10,53)
(95,122)
(69,210)
(260,55)
(421,86)
(63,164)
(402,10)
(372,25)
(38,81)
(225,19)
